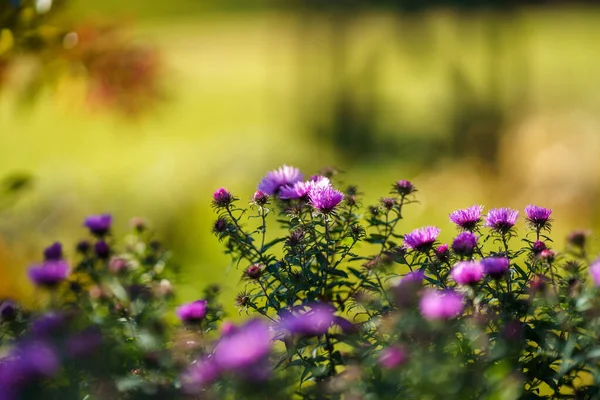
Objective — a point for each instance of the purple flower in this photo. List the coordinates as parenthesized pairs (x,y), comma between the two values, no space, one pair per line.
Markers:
(467,272)
(84,343)
(98,224)
(50,273)
(501,219)
(404,187)
(405,289)
(464,243)
(314,322)
(495,267)
(436,304)
(595,272)
(244,347)
(102,249)
(278,178)
(392,357)
(8,310)
(192,312)
(222,197)
(422,239)
(325,198)
(48,324)
(27,362)
(199,374)
(53,252)
(467,218)
(442,252)
(538,217)
(301,189)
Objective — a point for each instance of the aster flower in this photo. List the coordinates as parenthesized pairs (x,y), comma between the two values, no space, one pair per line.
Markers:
(278,178)
(53,252)
(467,272)
(102,249)
(51,323)
(30,361)
(437,304)
(193,312)
(464,243)
(467,218)
(392,357)
(538,217)
(578,238)
(595,272)
(442,253)
(8,310)
(314,322)
(50,273)
(222,198)
(244,347)
(404,187)
(300,190)
(538,247)
(422,239)
(260,199)
(405,289)
(200,373)
(495,267)
(325,199)
(501,220)
(99,225)
(254,271)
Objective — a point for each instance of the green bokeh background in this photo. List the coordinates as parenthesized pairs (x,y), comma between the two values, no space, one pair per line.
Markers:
(501,109)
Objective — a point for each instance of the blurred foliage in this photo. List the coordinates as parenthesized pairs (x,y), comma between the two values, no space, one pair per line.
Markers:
(474,105)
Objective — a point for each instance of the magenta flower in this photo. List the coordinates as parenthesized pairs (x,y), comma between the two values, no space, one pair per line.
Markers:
(325,198)
(495,267)
(442,253)
(538,247)
(50,273)
(538,217)
(99,225)
(464,243)
(595,272)
(278,178)
(260,198)
(392,357)
(404,187)
(436,304)
(193,312)
(301,189)
(199,374)
(467,272)
(467,218)
(314,322)
(501,220)
(422,239)
(222,197)
(53,252)
(244,347)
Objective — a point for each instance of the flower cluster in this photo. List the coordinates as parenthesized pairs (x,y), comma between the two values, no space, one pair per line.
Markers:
(343,304)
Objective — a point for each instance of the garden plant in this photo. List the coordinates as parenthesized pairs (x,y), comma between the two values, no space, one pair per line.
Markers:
(336,301)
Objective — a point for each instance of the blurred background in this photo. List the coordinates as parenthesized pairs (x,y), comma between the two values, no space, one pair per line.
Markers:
(145,107)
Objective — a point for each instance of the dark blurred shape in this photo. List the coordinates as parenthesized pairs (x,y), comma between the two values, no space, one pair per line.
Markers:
(350,110)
